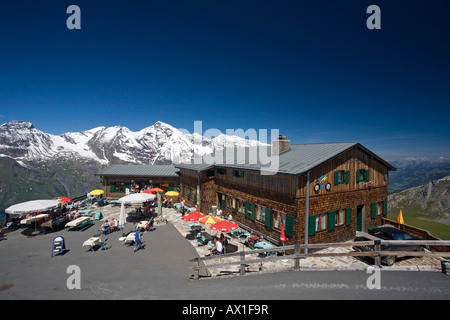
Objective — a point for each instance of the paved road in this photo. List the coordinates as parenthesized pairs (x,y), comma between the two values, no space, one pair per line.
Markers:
(160,271)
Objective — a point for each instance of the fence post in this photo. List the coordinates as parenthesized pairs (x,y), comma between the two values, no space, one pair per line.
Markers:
(377,248)
(197,269)
(242,263)
(297,258)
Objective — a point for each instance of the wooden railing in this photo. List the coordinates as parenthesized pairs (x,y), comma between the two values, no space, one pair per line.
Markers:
(296,254)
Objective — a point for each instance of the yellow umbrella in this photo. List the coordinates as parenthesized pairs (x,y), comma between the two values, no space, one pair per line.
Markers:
(171,193)
(96,192)
(209,220)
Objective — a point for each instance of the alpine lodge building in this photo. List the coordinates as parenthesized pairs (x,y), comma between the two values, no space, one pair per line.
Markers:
(326,192)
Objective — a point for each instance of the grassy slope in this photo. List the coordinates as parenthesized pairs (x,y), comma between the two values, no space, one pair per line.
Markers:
(440,230)
(44,180)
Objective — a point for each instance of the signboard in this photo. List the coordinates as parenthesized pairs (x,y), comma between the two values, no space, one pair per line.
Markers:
(59,246)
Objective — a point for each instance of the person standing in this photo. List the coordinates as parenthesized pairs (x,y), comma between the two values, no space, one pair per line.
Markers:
(182,207)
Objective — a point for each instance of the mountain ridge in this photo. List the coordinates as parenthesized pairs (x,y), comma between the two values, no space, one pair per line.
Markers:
(35,164)
(160,142)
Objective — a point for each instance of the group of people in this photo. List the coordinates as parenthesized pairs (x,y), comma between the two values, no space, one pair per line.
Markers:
(219,244)
(167,203)
(109,226)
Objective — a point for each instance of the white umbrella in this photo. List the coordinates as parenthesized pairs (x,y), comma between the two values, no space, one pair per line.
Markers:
(32,206)
(122,220)
(137,198)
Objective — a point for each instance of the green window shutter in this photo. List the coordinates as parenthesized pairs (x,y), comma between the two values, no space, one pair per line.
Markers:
(373,210)
(348,216)
(312,225)
(246,209)
(268,219)
(289,227)
(219,200)
(336,177)
(347,177)
(252,209)
(367,175)
(385,208)
(331,220)
(224,201)
(112,187)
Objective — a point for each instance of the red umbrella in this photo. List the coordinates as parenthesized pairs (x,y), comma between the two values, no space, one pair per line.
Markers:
(63,199)
(282,236)
(148,191)
(224,225)
(193,216)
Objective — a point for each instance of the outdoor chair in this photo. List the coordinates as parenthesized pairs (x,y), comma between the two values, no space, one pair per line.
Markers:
(105,230)
(104,245)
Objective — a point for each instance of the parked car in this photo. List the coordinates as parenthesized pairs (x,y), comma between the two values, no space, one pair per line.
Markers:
(389,233)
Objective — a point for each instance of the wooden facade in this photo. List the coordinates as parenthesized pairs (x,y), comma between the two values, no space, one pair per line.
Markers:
(347,192)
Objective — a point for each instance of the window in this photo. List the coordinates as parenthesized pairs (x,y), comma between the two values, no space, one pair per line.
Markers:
(261,214)
(341,177)
(238,173)
(340,216)
(362,175)
(278,218)
(321,222)
(241,206)
(209,173)
(221,171)
(380,208)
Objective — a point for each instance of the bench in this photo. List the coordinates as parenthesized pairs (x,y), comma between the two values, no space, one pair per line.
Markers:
(83,225)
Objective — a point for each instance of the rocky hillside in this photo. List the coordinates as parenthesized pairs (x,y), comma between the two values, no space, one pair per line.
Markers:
(429,201)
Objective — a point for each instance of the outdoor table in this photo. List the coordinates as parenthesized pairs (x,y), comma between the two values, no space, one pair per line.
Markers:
(142,224)
(85,212)
(91,242)
(113,202)
(243,237)
(196,227)
(33,219)
(77,222)
(264,245)
(130,237)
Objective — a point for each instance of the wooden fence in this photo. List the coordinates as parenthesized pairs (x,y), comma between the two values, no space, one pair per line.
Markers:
(295,253)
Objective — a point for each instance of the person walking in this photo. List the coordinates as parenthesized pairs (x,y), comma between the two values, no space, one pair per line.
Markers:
(137,241)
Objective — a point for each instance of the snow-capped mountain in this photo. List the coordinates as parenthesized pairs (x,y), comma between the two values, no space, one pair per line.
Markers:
(159,143)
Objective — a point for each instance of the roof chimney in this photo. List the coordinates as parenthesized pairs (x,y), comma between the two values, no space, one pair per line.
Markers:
(281,145)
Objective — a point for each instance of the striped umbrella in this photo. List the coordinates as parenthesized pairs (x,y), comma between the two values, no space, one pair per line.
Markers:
(209,220)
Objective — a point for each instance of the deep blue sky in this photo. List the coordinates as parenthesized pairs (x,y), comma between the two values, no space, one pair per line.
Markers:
(311,69)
